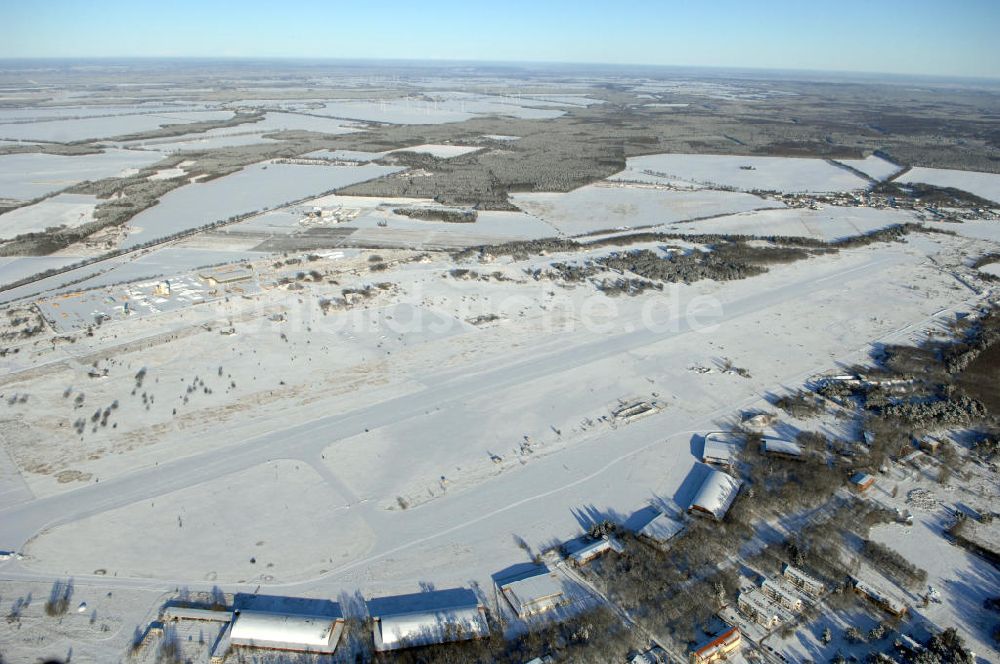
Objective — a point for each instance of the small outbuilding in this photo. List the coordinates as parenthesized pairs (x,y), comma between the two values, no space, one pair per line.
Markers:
(661,529)
(720,449)
(880,598)
(715,496)
(533,592)
(861,482)
(783,449)
(582,551)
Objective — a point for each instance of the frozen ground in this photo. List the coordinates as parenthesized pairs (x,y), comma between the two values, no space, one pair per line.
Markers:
(203,515)
(874,167)
(157,262)
(604,207)
(28,176)
(346,155)
(64,131)
(785,174)
(490,227)
(979,229)
(437,109)
(436,403)
(373,222)
(440,151)
(202,142)
(984,185)
(14,268)
(830,223)
(244,134)
(67,210)
(252,189)
(497,425)
(42,113)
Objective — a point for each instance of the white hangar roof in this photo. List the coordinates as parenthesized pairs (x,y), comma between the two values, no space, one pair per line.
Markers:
(716,494)
(441,616)
(285,631)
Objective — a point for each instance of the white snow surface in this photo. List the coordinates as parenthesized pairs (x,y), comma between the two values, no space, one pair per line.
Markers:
(785,174)
(606,207)
(253,188)
(63,131)
(829,223)
(440,151)
(64,210)
(984,185)
(874,167)
(31,175)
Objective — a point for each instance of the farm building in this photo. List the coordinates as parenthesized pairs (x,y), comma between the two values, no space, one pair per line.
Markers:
(227,275)
(880,597)
(783,449)
(442,616)
(756,606)
(584,550)
(781,594)
(861,482)
(719,648)
(284,623)
(715,496)
(720,449)
(533,593)
(803,581)
(929,444)
(661,529)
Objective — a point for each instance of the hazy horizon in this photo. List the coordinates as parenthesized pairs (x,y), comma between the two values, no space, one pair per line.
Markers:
(846,37)
(518,66)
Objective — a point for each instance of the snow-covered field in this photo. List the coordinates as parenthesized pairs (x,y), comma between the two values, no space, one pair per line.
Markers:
(345,155)
(63,210)
(984,185)
(28,176)
(830,223)
(374,222)
(874,167)
(253,188)
(203,142)
(787,174)
(490,227)
(438,109)
(400,428)
(43,113)
(203,516)
(63,131)
(440,151)
(428,388)
(603,207)
(14,268)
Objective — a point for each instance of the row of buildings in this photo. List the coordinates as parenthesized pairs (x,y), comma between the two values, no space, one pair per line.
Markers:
(316,626)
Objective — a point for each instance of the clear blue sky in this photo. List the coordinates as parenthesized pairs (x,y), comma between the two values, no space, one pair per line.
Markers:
(937,37)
